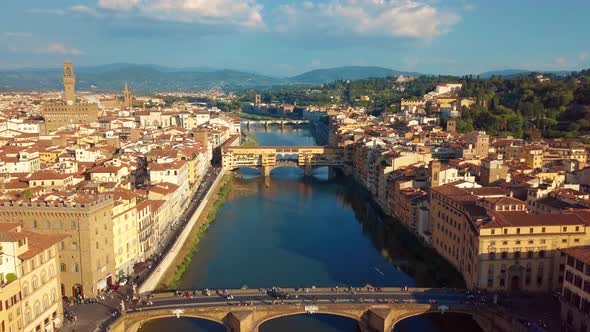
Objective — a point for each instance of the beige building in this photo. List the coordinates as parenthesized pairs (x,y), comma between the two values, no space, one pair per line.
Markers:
(496,244)
(87,261)
(575,295)
(493,171)
(69,111)
(125,232)
(532,155)
(32,259)
(10,296)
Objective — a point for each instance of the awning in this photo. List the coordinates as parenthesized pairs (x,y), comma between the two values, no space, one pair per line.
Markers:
(102,284)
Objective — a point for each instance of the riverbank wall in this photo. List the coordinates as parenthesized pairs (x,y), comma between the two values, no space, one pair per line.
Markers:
(320,132)
(152,282)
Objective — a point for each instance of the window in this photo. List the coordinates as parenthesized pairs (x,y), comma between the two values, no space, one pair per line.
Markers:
(518,231)
(530,230)
(505,231)
(63,267)
(75,267)
(565,229)
(517,254)
(543,230)
(542,253)
(504,254)
(493,231)
(529,254)
(74,245)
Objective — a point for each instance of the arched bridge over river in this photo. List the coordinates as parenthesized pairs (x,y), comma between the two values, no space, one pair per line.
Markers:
(266,158)
(375,311)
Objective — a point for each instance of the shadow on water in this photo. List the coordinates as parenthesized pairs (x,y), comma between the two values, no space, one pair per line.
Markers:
(448,322)
(306,322)
(183,324)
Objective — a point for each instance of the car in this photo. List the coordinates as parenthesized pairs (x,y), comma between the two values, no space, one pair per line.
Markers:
(123,282)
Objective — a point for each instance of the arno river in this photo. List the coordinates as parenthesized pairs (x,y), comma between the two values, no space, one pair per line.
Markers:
(309,231)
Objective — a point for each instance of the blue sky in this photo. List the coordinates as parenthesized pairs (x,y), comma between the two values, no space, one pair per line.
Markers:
(287,37)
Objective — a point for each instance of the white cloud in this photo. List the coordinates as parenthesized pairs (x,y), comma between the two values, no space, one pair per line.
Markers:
(18,34)
(245,13)
(60,48)
(81,9)
(583,56)
(394,18)
(118,4)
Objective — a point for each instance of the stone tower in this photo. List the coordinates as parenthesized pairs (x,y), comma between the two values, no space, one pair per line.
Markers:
(451,125)
(128,96)
(435,168)
(69,83)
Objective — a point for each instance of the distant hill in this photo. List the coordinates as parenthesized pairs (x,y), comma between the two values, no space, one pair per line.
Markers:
(143,78)
(516,72)
(321,76)
(149,78)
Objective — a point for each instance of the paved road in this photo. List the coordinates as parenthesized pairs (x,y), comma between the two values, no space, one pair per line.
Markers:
(179,225)
(268,297)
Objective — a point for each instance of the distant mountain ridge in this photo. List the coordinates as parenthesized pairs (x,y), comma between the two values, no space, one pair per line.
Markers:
(516,72)
(148,78)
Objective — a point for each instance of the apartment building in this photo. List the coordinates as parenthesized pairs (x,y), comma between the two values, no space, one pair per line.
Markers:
(30,267)
(87,260)
(496,243)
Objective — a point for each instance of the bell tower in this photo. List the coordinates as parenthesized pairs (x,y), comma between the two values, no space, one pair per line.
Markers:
(69,83)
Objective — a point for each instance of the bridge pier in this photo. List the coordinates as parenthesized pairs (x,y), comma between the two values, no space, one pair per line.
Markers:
(265,171)
(307,170)
(331,173)
(378,320)
(240,321)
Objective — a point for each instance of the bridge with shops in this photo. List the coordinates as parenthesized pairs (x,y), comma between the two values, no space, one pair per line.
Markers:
(374,309)
(267,158)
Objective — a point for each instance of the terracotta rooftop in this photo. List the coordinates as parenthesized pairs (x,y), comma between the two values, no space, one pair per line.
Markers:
(581,253)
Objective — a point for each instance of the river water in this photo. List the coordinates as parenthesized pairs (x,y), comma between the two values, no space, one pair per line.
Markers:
(308,231)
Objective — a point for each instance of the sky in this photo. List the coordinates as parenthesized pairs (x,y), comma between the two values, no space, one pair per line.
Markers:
(288,37)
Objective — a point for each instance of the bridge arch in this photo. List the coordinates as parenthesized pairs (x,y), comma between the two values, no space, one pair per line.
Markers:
(427,311)
(345,314)
(136,325)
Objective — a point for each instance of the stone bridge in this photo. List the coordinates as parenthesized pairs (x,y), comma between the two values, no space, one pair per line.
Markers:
(280,122)
(370,317)
(267,158)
